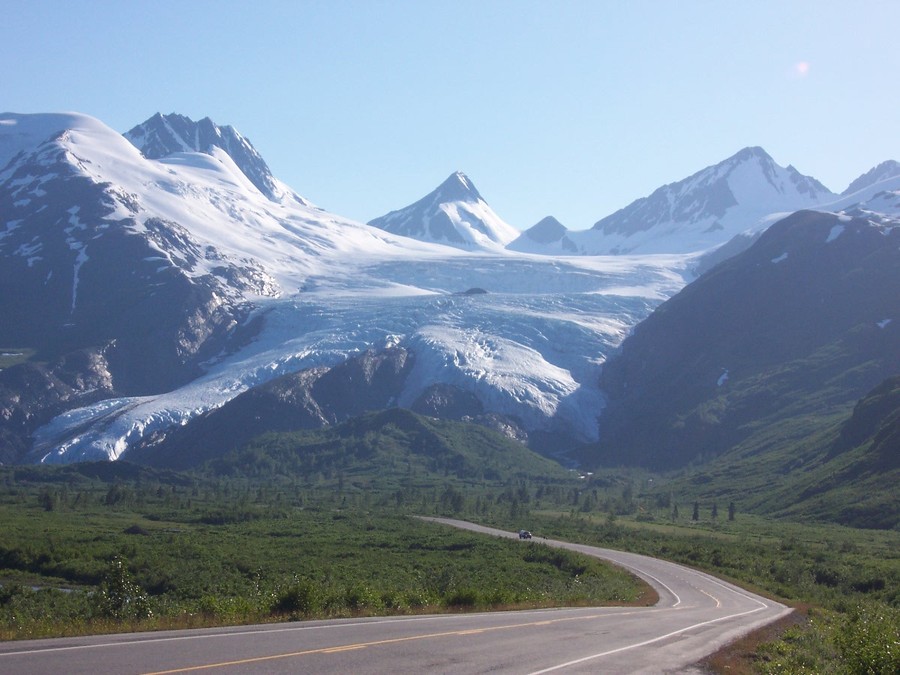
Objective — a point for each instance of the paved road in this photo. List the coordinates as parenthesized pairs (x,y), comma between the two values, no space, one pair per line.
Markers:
(695,615)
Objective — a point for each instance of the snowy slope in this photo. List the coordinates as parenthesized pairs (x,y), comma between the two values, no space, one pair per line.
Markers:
(165,135)
(206,194)
(453,214)
(530,348)
(325,287)
(744,193)
(878,199)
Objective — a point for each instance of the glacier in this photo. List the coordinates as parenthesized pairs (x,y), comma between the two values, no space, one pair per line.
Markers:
(327,288)
(530,348)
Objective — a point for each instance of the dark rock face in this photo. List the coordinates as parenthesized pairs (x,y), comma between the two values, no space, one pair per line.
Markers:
(309,399)
(803,320)
(312,399)
(78,277)
(31,394)
(447,402)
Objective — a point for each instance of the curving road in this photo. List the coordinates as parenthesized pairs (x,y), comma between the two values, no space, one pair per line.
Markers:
(696,614)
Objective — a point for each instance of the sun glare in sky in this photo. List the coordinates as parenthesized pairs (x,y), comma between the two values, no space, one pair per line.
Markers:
(801,68)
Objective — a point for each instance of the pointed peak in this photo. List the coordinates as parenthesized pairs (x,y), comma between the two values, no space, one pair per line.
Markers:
(547,221)
(454,214)
(458,187)
(547,229)
(751,152)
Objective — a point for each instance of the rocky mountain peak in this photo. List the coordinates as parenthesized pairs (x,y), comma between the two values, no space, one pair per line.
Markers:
(458,188)
(455,214)
(751,152)
(164,135)
(709,207)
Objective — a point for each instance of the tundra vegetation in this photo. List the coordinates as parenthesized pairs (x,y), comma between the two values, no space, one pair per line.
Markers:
(320,524)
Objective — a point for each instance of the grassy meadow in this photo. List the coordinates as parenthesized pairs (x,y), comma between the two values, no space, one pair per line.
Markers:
(124,548)
(321,524)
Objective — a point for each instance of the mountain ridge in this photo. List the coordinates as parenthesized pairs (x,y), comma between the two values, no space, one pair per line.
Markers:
(159,290)
(704,210)
(883,171)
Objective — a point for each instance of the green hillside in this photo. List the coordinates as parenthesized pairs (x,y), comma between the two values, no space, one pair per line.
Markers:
(390,448)
(787,335)
(841,468)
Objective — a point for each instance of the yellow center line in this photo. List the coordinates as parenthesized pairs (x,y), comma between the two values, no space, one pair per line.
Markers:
(362,645)
(347,648)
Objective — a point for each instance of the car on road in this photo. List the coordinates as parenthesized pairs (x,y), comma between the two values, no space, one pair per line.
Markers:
(524,534)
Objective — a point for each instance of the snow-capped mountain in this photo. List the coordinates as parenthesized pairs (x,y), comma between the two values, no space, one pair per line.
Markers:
(878,201)
(875,195)
(453,214)
(152,291)
(742,194)
(86,263)
(708,208)
(547,236)
(167,135)
(884,171)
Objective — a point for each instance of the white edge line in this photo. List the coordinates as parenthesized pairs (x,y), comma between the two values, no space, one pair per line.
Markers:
(645,642)
(153,638)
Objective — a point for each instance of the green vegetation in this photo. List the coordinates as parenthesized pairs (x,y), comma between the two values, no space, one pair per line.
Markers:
(387,450)
(166,550)
(12,356)
(319,524)
(862,641)
(805,479)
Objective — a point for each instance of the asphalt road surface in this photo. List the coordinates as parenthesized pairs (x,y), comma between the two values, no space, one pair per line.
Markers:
(696,614)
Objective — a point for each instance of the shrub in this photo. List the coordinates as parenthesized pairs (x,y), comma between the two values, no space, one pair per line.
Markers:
(360,597)
(868,640)
(463,597)
(120,596)
(302,598)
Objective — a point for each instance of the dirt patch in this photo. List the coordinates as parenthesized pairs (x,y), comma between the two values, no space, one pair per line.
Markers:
(741,656)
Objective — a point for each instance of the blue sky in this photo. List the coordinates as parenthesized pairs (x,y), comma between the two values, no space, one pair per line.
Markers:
(570,108)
